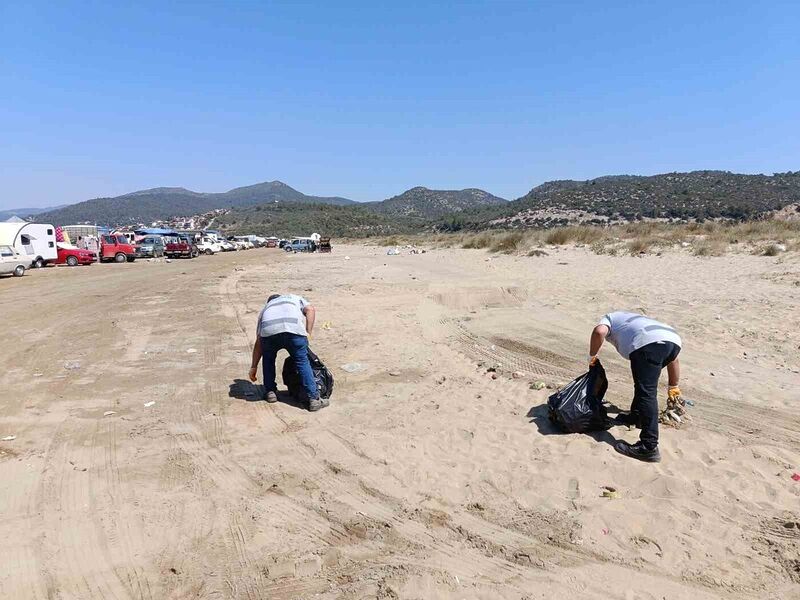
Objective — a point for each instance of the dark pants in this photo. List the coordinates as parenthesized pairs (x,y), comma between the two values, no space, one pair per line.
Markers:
(297,346)
(646,365)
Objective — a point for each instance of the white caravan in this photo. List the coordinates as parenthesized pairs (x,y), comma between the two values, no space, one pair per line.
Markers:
(36,242)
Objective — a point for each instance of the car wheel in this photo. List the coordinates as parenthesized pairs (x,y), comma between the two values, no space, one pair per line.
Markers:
(72,261)
(208,251)
(19,271)
(120,257)
(38,263)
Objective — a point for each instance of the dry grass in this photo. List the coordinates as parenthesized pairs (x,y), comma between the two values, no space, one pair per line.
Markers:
(701,239)
(507,243)
(709,247)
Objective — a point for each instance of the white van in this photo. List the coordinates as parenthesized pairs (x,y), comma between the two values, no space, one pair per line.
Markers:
(36,242)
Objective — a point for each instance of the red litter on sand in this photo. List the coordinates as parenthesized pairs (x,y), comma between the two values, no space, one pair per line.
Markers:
(796,476)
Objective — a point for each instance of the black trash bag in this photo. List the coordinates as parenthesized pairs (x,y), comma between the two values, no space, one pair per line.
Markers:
(323,377)
(578,406)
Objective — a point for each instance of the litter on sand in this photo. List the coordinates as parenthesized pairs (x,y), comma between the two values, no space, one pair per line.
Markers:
(192,350)
(354,367)
(72,365)
(796,476)
(149,404)
(9,438)
(610,492)
(108,413)
(347,258)
(326,325)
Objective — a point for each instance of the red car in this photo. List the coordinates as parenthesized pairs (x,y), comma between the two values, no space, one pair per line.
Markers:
(73,256)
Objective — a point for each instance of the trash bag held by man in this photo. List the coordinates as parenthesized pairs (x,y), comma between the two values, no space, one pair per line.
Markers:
(323,377)
(578,406)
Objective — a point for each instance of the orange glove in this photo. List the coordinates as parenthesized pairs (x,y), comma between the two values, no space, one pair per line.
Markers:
(673,392)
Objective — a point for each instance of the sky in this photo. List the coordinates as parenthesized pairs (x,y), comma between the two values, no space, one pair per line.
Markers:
(367,99)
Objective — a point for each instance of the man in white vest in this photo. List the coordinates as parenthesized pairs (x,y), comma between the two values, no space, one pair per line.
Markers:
(650,346)
(285,323)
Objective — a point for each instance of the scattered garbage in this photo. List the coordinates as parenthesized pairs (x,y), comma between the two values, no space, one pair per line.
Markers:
(191,350)
(674,415)
(606,530)
(38,374)
(9,438)
(689,402)
(517,375)
(393,252)
(149,404)
(538,385)
(610,492)
(72,365)
(326,325)
(354,367)
(347,258)
(108,413)
(394,373)
(796,476)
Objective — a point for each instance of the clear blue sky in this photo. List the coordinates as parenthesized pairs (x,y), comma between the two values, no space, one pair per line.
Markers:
(365,101)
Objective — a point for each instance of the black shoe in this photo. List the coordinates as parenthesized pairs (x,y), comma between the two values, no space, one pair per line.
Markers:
(271,397)
(638,451)
(317,403)
(629,419)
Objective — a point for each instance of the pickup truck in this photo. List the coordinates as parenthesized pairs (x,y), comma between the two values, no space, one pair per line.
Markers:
(300,246)
(179,247)
(116,248)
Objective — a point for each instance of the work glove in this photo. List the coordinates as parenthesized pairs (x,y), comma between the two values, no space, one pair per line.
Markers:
(673,392)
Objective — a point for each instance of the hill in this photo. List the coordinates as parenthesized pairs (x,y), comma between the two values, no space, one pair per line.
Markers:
(696,195)
(287,219)
(420,202)
(146,206)
(24,212)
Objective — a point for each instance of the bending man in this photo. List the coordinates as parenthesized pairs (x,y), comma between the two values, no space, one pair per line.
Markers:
(650,346)
(285,323)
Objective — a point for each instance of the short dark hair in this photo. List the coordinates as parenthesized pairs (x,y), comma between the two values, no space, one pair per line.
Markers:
(271,298)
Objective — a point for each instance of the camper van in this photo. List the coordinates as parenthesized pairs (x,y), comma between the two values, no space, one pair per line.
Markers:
(35,242)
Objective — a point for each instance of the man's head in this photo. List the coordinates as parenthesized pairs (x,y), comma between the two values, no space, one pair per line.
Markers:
(271,298)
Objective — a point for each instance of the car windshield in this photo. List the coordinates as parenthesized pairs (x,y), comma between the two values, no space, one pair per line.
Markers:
(121,239)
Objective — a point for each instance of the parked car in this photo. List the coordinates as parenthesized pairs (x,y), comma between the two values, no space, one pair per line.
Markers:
(11,262)
(151,245)
(228,246)
(178,247)
(244,242)
(74,256)
(190,240)
(116,247)
(271,243)
(300,246)
(282,243)
(208,245)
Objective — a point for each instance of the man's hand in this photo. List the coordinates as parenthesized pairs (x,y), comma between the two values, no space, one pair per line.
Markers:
(673,392)
(253,374)
(592,360)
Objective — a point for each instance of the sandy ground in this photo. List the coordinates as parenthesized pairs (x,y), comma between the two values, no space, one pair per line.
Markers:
(425,478)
